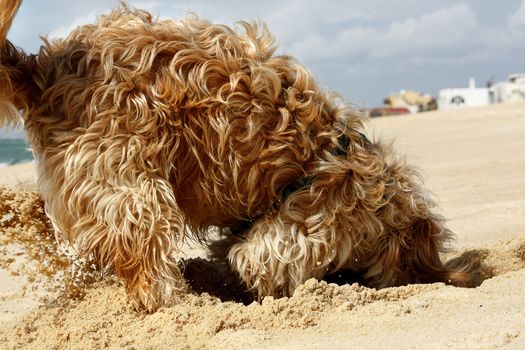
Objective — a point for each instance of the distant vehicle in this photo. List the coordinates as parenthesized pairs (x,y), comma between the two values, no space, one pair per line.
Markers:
(378,112)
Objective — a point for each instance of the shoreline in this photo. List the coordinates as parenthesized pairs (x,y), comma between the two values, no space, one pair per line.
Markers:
(5,165)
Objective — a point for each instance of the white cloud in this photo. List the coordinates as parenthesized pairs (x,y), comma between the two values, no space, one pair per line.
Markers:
(145,5)
(64,30)
(445,29)
(294,19)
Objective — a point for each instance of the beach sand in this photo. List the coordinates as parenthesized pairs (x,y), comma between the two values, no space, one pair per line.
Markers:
(472,160)
(19,176)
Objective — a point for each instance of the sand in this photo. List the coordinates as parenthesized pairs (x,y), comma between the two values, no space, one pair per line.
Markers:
(19,176)
(474,162)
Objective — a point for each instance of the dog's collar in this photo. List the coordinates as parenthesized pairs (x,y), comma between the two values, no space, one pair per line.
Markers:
(296,186)
(340,151)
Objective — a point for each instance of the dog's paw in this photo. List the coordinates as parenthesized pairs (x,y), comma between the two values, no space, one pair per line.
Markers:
(263,272)
(149,294)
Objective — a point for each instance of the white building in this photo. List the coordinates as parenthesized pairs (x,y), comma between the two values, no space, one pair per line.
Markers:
(463,97)
(511,90)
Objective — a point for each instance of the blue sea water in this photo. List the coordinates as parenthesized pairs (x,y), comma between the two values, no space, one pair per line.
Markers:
(14,151)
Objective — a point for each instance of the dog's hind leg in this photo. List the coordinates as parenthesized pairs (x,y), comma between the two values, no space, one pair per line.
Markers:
(125,214)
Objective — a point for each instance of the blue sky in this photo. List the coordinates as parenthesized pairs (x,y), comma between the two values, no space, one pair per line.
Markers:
(362,49)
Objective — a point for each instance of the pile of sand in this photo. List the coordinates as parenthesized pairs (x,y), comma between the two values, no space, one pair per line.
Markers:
(51,299)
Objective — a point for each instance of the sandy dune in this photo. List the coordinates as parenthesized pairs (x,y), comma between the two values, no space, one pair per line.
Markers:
(473,161)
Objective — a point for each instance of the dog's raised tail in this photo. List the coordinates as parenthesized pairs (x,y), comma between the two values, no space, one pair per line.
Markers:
(8,8)
(12,99)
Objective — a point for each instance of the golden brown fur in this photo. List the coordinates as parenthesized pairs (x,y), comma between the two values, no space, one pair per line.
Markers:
(149,132)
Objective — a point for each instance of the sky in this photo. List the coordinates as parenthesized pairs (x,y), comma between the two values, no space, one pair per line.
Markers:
(364,50)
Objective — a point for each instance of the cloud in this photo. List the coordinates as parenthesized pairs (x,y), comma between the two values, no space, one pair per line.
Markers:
(445,29)
(293,19)
(64,30)
(145,5)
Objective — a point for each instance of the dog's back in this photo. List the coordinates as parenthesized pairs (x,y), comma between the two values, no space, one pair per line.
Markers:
(218,101)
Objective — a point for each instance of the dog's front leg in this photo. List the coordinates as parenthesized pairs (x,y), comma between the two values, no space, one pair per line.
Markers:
(125,215)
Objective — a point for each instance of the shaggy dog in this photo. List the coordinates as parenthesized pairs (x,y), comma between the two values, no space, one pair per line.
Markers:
(149,132)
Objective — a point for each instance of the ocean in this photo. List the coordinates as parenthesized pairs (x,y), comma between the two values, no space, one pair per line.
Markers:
(14,151)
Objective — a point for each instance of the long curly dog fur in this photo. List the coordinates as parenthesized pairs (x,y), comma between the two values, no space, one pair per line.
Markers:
(148,132)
